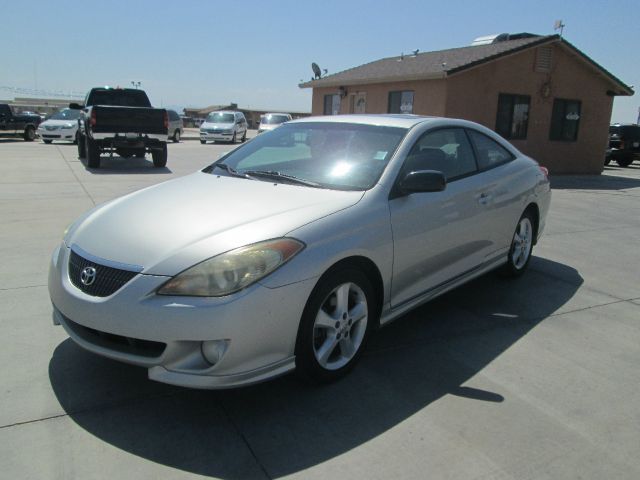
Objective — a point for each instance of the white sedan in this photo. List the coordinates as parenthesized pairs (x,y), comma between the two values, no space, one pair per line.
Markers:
(62,125)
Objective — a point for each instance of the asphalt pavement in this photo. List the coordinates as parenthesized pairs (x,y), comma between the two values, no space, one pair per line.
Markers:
(535,378)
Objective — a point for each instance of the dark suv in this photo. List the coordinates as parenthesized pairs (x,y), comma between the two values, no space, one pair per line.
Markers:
(624,144)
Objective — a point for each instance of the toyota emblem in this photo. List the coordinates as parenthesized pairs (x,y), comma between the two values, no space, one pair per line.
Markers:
(88,276)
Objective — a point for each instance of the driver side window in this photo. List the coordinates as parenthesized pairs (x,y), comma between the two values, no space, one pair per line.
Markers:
(446,150)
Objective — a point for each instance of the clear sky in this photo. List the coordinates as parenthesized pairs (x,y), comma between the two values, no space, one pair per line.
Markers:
(199,53)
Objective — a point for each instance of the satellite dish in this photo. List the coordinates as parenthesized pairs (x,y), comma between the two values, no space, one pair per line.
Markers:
(316,70)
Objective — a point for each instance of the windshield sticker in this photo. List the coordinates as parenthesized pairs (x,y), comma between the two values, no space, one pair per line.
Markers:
(380,155)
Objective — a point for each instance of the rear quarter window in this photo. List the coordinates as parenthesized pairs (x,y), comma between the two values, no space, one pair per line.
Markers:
(489,153)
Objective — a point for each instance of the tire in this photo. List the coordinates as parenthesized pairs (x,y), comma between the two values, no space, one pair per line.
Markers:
(29,134)
(160,157)
(233,140)
(75,139)
(81,147)
(521,246)
(203,142)
(92,153)
(625,161)
(335,325)
(244,137)
(176,136)
(607,160)
(47,141)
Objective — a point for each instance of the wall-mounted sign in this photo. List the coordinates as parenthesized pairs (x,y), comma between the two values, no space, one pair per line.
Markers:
(573,116)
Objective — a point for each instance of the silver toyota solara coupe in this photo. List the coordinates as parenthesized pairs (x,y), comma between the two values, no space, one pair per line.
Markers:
(288,251)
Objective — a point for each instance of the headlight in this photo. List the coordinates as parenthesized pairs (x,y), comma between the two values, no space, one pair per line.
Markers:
(67,125)
(234,270)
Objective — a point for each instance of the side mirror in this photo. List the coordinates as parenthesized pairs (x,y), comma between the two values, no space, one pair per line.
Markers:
(76,106)
(423,181)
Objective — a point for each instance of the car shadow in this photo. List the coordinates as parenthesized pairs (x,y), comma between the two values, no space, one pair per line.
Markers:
(119,165)
(594,182)
(287,425)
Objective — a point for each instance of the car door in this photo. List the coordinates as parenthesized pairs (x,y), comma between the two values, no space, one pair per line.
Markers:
(503,182)
(5,114)
(438,236)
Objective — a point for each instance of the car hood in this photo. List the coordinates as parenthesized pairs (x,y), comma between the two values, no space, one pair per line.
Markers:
(217,125)
(269,126)
(171,226)
(58,123)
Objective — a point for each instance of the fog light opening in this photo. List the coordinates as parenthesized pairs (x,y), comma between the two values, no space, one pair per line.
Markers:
(213,350)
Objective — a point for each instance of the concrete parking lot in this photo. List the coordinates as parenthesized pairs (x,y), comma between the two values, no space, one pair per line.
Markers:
(536,378)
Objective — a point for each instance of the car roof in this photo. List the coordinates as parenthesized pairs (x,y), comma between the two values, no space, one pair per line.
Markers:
(275,113)
(383,120)
(224,111)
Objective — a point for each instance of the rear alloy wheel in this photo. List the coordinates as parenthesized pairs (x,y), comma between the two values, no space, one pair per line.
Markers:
(203,142)
(335,325)
(93,153)
(233,140)
(29,134)
(160,156)
(176,136)
(521,246)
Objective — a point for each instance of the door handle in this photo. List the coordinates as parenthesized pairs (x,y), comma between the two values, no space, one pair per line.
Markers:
(484,198)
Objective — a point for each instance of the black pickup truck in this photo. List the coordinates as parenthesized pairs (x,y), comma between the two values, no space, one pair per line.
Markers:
(21,125)
(121,120)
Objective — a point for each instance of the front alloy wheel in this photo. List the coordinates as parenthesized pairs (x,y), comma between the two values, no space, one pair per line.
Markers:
(334,326)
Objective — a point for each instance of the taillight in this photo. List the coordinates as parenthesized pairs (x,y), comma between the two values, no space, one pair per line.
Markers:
(166,120)
(93,118)
(545,171)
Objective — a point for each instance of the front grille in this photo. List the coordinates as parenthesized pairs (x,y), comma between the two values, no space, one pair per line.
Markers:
(118,343)
(107,280)
(50,136)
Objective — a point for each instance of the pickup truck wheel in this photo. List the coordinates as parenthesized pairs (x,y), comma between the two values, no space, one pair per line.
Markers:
(29,134)
(160,157)
(176,136)
(624,161)
(47,141)
(93,153)
(75,140)
(81,147)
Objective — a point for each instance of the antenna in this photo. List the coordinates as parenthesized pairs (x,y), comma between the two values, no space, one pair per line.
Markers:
(316,70)
(415,52)
(559,26)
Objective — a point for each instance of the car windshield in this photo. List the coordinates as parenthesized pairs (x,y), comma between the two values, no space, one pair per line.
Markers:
(218,117)
(274,119)
(66,114)
(341,156)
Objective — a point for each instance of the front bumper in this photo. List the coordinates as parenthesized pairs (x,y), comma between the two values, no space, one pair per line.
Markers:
(165,334)
(213,136)
(57,134)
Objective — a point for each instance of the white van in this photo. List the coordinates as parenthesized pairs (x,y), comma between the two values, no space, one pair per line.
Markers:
(225,126)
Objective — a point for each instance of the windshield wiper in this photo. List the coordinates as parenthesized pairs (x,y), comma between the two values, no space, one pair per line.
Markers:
(231,170)
(272,174)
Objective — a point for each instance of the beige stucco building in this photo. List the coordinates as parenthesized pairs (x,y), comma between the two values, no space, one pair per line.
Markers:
(540,92)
